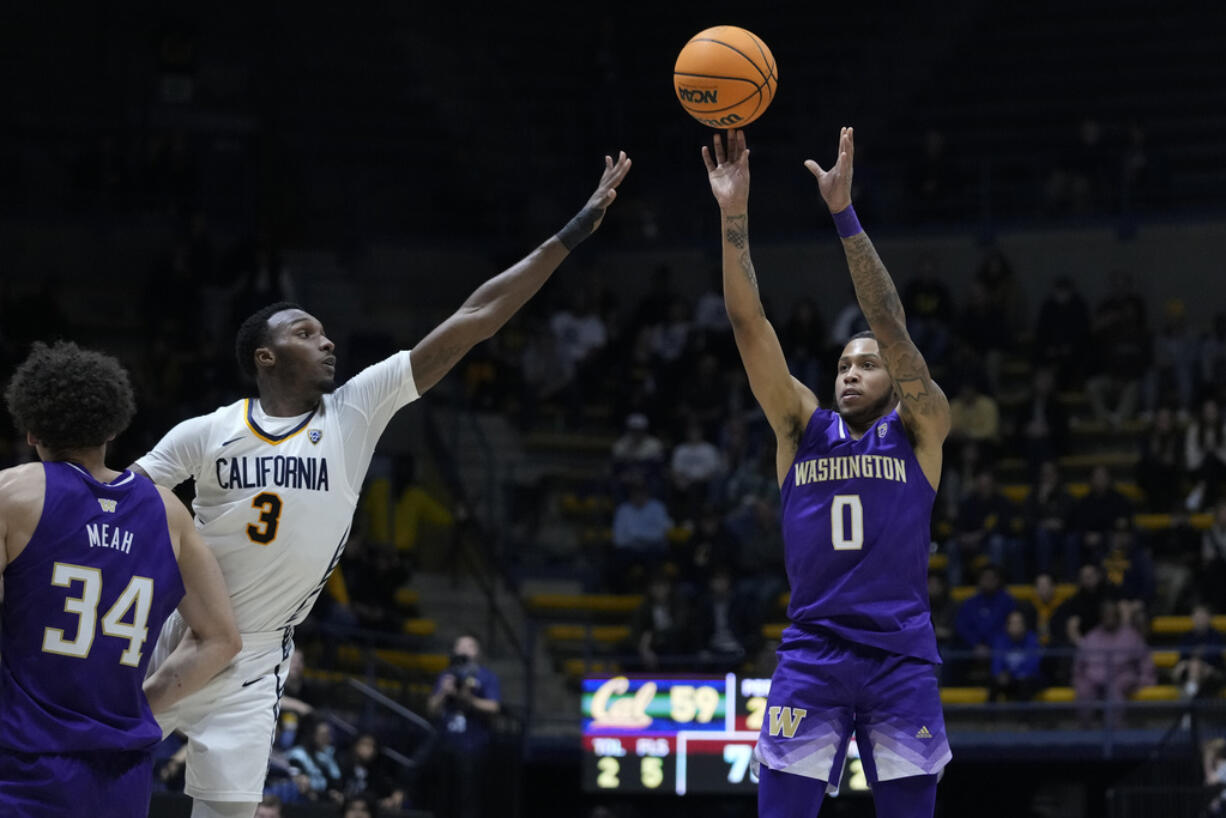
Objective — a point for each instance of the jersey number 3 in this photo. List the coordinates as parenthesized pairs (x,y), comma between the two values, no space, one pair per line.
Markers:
(847,522)
(264,530)
(137,598)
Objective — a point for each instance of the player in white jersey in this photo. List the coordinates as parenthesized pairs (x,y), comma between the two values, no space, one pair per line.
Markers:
(277,481)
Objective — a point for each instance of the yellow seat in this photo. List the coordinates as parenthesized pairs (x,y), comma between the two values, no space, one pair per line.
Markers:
(964,695)
(1156,693)
(774,630)
(585,603)
(937,562)
(420,627)
(1165,659)
(407,598)
(577,668)
(405,660)
(1056,694)
(605,634)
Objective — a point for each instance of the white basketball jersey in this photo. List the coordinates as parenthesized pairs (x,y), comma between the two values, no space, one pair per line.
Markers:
(275,496)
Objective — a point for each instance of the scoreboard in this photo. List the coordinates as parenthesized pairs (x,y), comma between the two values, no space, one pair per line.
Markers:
(679,735)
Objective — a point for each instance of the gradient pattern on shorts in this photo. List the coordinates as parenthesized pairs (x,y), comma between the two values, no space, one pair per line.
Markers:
(891,702)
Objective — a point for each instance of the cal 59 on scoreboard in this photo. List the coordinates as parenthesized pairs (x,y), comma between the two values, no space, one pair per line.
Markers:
(692,734)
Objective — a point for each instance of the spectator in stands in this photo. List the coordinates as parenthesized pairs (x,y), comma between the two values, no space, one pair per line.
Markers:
(1173,373)
(578,330)
(710,546)
(637,450)
(270,807)
(930,310)
(937,185)
(1212,574)
(803,339)
(315,756)
(984,528)
(670,338)
(984,328)
(373,574)
(300,696)
(360,806)
(1062,333)
(1122,340)
(662,625)
(726,624)
(1199,669)
(756,527)
(1046,513)
(1213,757)
(695,467)
(1004,291)
(1095,516)
(365,770)
(704,396)
(1015,661)
(640,533)
(848,321)
(466,699)
(1160,469)
(1212,358)
(981,618)
(547,373)
(975,417)
(1040,423)
(1128,571)
(1205,455)
(1079,613)
(942,608)
(1112,661)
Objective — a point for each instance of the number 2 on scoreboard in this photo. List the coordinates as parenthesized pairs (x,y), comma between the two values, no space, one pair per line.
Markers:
(607,778)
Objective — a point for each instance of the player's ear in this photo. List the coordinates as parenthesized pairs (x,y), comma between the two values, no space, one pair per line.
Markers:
(32,440)
(265,357)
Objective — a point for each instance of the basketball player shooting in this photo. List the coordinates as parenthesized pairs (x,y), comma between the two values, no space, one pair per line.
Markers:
(277,481)
(857,486)
(93,562)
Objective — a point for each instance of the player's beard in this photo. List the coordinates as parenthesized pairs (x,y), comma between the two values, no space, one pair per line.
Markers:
(877,409)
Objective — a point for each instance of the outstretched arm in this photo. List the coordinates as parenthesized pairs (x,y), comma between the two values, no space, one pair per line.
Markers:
(924,407)
(786,403)
(495,301)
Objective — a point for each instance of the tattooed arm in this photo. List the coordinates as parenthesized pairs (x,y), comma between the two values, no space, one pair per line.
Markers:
(786,402)
(923,406)
(495,301)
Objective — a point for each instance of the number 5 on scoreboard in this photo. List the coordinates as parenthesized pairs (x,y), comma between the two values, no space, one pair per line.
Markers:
(847,522)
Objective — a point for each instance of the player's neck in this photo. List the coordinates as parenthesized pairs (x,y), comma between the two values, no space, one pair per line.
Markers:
(92,460)
(279,401)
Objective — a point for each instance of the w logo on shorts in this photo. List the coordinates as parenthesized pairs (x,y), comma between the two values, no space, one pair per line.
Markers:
(785,720)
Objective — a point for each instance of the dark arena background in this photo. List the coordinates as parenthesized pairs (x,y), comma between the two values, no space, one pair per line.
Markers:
(1043,180)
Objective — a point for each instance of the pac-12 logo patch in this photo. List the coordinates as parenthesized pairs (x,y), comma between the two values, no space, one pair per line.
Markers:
(882,428)
(314,435)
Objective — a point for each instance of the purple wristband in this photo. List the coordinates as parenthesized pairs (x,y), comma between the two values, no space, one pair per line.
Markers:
(846,223)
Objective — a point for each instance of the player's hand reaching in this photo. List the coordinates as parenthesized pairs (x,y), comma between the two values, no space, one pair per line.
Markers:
(835,184)
(728,172)
(589,218)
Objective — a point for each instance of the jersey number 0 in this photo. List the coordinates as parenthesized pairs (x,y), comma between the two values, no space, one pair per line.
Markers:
(847,522)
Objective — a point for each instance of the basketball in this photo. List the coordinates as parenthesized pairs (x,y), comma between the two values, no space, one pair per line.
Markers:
(725,77)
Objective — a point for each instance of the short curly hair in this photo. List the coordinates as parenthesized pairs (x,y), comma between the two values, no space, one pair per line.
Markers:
(70,398)
(253,334)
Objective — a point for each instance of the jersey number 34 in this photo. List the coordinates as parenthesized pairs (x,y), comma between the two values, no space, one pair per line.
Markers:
(137,597)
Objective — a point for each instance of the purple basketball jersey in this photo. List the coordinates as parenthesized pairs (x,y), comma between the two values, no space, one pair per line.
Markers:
(856,529)
(83,604)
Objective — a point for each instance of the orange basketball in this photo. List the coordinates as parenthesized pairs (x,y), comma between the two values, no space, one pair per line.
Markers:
(725,77)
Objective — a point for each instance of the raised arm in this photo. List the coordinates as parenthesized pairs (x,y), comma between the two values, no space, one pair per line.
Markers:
(923,406)
(213,639)
(786,402)
(493,303)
